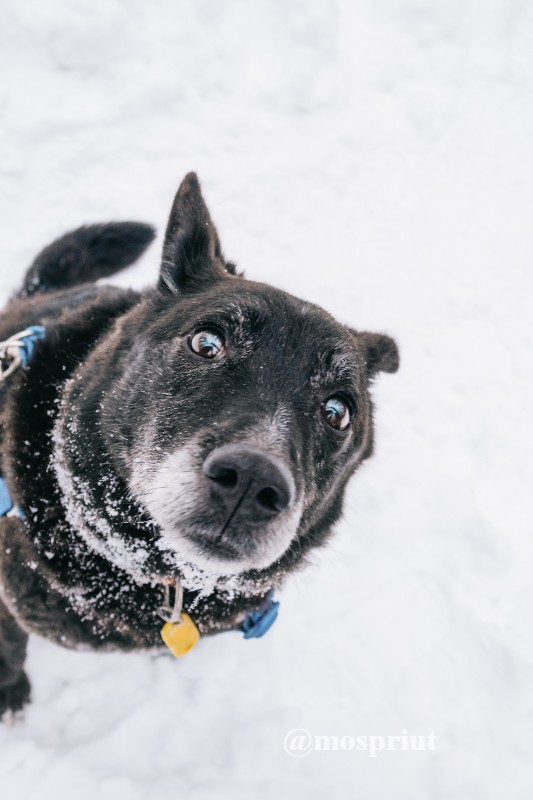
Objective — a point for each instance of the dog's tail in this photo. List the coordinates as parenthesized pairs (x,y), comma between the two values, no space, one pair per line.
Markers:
(86,254)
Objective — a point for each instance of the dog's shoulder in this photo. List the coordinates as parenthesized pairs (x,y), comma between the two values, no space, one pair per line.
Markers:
(74,320)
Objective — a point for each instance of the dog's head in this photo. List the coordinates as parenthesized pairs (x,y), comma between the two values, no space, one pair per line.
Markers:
(239,411)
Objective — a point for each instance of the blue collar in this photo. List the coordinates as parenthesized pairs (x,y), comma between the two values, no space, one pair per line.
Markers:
(257,623)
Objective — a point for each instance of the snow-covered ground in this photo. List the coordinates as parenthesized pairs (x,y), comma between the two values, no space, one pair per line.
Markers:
(374,156)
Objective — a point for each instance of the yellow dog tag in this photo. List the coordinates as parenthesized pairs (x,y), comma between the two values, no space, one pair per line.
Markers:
(180,637)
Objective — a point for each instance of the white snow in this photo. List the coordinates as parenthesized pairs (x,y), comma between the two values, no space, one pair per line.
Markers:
(374,157)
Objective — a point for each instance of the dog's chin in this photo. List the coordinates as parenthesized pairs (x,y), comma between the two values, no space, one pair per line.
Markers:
(214,558)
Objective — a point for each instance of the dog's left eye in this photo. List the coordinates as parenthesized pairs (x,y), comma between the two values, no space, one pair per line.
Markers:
(207,343)
(336,412)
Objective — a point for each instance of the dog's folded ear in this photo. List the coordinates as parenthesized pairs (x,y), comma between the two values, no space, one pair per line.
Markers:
(192,255)
(380,352)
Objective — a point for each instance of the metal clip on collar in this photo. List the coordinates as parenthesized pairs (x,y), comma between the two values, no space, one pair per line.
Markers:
(18,350)
(171,611)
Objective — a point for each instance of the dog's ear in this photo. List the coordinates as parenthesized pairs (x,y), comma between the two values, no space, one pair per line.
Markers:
(191,252)
(380,351)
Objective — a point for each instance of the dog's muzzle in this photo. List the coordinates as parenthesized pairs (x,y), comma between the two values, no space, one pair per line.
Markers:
(233,509)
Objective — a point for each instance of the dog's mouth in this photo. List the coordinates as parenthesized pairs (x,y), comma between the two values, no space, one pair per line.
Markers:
(216,549)
(231,550)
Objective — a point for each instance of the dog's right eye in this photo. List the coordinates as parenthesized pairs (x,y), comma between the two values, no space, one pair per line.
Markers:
(207,343)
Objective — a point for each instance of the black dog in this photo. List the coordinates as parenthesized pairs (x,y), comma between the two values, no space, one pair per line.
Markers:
(200,433)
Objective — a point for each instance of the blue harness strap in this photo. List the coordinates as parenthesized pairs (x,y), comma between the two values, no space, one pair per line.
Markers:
(6,503)
(17,351)
(7,507)
(29,338)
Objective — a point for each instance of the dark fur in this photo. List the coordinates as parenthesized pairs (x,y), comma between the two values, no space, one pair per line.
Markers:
(94,251)
(130,377)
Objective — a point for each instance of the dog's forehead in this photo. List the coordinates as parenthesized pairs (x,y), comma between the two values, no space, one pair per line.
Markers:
(291,324)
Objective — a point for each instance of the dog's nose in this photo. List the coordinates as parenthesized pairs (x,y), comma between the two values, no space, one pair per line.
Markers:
(249,481)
